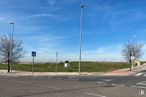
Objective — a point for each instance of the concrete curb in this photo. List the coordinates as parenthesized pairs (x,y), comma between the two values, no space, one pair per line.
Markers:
(36,74)
(22,73)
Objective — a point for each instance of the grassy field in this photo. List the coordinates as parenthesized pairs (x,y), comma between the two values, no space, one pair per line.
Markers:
(85,67)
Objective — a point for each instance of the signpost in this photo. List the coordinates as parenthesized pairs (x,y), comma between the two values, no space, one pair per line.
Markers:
(56,62)
(131,62)
(33,54)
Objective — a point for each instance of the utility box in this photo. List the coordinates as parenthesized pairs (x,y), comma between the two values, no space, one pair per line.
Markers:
(66,64)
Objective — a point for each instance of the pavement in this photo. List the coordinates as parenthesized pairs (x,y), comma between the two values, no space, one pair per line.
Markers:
(39,84)
(85,86)
(127,72)
(120,72)
(23,73)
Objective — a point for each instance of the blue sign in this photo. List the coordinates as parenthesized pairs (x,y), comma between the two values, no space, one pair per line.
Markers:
(33,54)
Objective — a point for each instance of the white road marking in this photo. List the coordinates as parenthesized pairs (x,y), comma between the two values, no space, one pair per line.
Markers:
(107,80)
(141,92)
(138,87)
(122,85)
(119,85)
(138,74)
(141,83)
(92,94)
(71,79)
(100,82)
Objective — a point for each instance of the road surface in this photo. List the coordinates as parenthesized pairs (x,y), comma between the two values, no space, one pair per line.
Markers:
(70,86)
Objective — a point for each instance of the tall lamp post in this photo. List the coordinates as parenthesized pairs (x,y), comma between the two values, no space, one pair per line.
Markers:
(12,45)
(81,24)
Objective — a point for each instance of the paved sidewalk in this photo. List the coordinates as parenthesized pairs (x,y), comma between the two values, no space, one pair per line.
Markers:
(23,73)
(121,72)
(127,72)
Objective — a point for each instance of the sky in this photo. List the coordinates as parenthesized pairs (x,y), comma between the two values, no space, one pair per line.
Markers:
(50,26)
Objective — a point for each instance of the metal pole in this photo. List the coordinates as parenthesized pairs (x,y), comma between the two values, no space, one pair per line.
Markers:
(12,46)
(131,60)
(32,65)
(81,24)
(56,61)
(130,64)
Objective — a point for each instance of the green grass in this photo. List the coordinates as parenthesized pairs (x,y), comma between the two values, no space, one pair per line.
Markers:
(85,67)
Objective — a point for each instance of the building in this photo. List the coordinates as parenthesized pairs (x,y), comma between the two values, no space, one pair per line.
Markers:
(136,63)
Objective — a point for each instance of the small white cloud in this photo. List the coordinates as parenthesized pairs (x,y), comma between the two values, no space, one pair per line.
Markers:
(112,53)
(40,15)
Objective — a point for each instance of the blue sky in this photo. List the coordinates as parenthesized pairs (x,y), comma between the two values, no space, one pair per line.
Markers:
(47,26)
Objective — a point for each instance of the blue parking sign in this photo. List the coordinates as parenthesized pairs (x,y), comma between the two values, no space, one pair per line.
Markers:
(33,54)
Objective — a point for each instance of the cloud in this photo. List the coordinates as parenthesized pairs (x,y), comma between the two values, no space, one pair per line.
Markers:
(41,15)
(46,46)
(107,53)
(53,38)
(101,54)
(55,17)
(112,53)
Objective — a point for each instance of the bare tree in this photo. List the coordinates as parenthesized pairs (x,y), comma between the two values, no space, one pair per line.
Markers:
(10,51)
(132,51)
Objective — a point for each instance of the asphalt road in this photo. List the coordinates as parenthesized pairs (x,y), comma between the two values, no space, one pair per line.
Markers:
(69,86)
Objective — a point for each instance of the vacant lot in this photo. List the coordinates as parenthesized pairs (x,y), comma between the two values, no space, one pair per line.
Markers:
(85,67)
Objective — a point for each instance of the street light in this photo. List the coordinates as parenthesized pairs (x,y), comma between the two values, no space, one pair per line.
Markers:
(56,61)
(12,45)
(81,24)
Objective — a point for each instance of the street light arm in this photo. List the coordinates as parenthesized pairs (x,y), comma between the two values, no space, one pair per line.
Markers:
(12,23)
(82,5)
